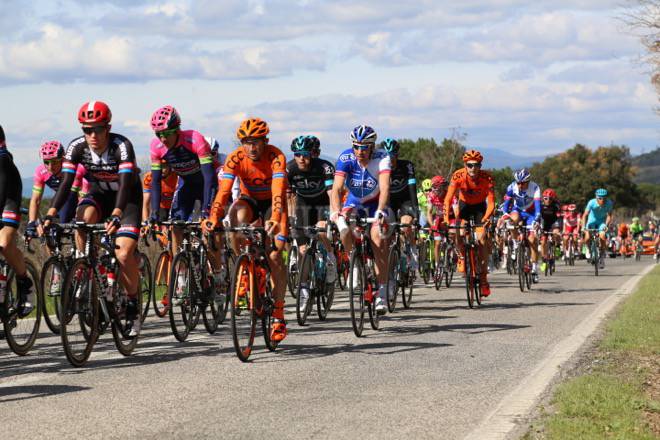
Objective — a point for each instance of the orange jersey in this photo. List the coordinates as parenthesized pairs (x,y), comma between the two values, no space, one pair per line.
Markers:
(261,180)
(167,188)
(623,229)
(471,191)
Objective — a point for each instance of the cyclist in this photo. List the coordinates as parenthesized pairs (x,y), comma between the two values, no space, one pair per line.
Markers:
(637,231)
(571,226)
(623,234)
(655,237)
(522,203)
(551,219)
(310,183)
(115,193)
(10,201)
(49,173)
(422,201)
(598,215)
(435,211)
(476,201)
(367,177)
(262,170)
(403,192)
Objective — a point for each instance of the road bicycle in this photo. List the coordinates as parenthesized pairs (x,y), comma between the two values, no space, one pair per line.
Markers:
(551,249)
(426,255)
(523,258)
(594,249)
(400,275)
(472,262)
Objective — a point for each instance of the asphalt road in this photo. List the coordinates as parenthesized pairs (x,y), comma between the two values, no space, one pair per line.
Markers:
(433,371)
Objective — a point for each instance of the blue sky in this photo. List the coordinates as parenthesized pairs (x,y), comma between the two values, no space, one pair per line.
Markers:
(528,77)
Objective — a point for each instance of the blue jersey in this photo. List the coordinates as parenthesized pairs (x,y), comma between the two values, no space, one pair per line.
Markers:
(528,200)
(362,182)
(598,213)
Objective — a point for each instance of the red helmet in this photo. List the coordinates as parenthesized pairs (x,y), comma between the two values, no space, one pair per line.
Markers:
(438,181)
(94,112)
(51,150)
(572,207)
(550,193)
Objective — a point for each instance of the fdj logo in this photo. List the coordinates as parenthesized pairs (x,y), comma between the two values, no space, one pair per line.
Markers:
(366,184)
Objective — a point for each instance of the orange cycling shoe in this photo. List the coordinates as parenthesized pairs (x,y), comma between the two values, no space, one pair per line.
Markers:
(165,301)
(461,264)
(278,332)
(485,288)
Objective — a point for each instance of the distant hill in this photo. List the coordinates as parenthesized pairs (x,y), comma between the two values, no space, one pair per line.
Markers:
(648,167)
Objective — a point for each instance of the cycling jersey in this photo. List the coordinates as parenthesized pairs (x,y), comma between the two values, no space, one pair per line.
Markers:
(311,186)
(261,180)
(43,177)
(528,201)
(190,159)
(598,214)
(112,172)
(362,182)
(168,187)
(623,230)
(550,215)
(11,188)
(472,191)
(403,185)
(422,201)
(636,229)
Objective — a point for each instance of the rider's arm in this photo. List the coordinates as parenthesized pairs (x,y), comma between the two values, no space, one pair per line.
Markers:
(451,191)
(146,197)
(335,193)
(229,173)
(490,199)
(125,156)
(69,167)
(537,203)
(35,201)
(429,214)
(203,150)
(384,170)
(156,175)
(278,188)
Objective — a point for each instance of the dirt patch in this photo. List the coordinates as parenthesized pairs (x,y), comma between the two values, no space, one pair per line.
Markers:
(652,391)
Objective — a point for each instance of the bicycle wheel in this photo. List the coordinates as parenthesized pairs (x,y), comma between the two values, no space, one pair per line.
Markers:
(595,254)
(450,266)
(124,344)
(292,272)
(146,285)
(393,278)
(342,269)
(22,332)
(469,286)
(80,312)
(374,318)
(268,305)
(52,278)
(305,281)
(179,295)
(476,275)
(324,298)
(161,281)
(243,314)
(356,285)
(521,260)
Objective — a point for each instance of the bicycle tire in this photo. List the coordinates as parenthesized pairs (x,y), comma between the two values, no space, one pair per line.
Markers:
(125,345)
(520,260)
(21,333)
(476,277)
(209,311)
(342,269)
(241,306)
(161,282)
(268,304)
(181,315)
(305,280)
(146,285)
(52,301)
(469,288)
(450,265)
(292,276)
(393,278)
(356,293)
(80,310)
(595,254)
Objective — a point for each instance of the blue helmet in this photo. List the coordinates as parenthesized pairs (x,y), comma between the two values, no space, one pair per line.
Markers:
(601,192)
(302,144)
(522,175)
(363,134)
(391,146)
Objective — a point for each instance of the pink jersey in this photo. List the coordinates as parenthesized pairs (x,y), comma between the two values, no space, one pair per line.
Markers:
(43,177)
(186,158)
(437,203)
(571,220)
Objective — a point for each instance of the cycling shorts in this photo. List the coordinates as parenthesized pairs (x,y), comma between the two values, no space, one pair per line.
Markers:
(601,226)
(308,215)
(475,212)
(104,202)
(526,217)
(362,210)
(571,230)
(402,208)
(185,196)
(262,209)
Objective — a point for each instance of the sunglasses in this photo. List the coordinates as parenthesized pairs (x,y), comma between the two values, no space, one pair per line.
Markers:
(52,161)
(473,165)
(99,129)
(166,133)
(361,147)
(546,198)
(600,198)
(302,155)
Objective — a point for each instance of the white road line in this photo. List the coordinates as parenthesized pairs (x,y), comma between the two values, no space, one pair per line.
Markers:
(500,422)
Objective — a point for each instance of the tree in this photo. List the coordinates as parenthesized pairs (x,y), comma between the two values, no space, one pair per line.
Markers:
(503,177)
(644,20)
(431,158)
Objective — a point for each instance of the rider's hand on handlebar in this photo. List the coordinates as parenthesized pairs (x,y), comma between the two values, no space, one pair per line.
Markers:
(208,225)
(112,224)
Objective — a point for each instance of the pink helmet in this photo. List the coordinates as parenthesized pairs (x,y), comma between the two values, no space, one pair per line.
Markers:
(165,118)
(51,150)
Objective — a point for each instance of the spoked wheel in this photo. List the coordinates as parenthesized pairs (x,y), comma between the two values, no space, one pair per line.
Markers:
(324,298)
(209,310)
(22,332)
(470,282)
(343,266)
(146,284)
(218,302)
(595,255)
(52,279)
(356,286)
(161,283)
(374,317)
(393,278)
(521,259)
(292,272)
(181,310)
(120,329)
(450,266)
(421,249)
(268,305)
(80,313)
(306,288)
(243,314)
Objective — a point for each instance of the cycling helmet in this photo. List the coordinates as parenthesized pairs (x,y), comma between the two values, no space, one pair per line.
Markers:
(550,193)
(165,118)
(316,143)
(635,219)
(572,207)
(253,128)
(302,144)
(51,150)
(522,175)
(473,155)
(363,134)
(427,184)
(438,181)
(94,112)
(391,146)
(601,192)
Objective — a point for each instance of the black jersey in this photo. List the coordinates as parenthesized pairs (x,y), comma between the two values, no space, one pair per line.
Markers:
(10,189)
(311,186)
(550,213)
(114,171)
(402,182)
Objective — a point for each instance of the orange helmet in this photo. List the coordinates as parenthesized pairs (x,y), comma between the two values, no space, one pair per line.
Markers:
(253,127)
(473,155)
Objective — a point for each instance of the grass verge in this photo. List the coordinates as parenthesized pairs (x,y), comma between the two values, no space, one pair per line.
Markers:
(616,393)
